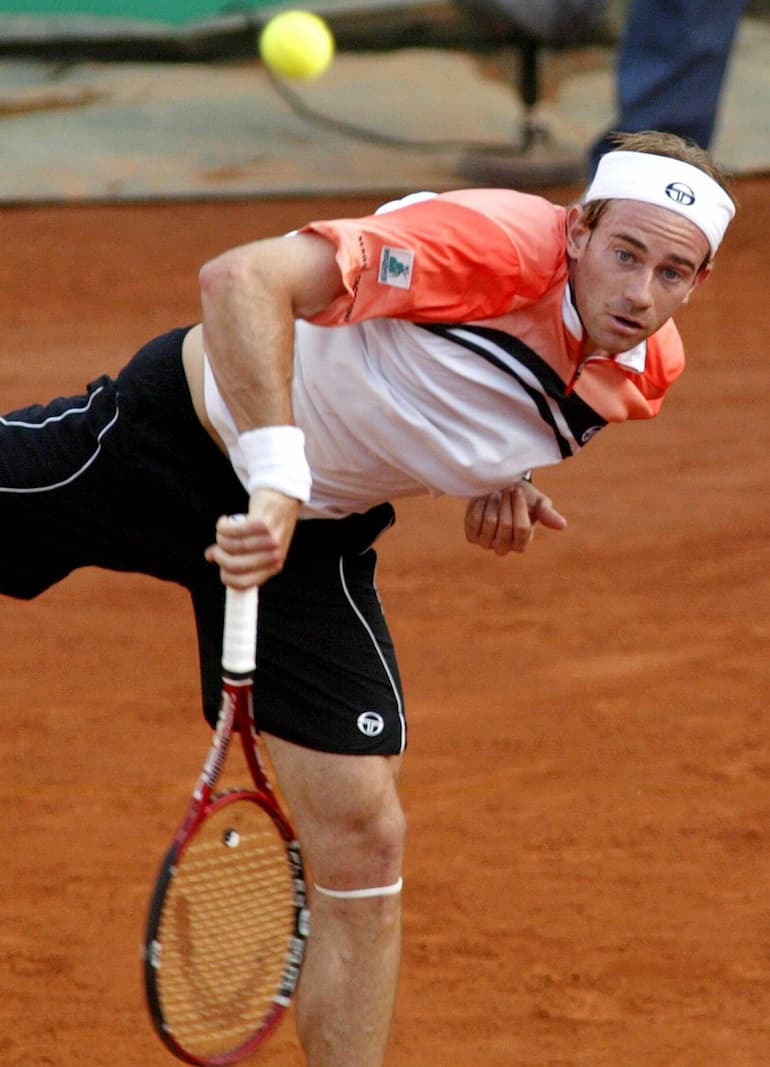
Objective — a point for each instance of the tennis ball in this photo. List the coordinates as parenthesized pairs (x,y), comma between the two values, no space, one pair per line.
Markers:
(297,44)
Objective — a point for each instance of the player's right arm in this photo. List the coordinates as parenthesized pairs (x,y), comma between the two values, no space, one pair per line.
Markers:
(250,297)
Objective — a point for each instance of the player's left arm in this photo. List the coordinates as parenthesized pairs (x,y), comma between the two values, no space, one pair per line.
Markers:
(505,521)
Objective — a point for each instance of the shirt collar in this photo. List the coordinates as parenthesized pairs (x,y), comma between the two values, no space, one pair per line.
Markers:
(570,315)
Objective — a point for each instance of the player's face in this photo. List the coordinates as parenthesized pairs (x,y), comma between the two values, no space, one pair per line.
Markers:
(632,271)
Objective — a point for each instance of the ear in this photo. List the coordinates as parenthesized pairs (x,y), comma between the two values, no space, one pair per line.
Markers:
(578,233)
(700,278)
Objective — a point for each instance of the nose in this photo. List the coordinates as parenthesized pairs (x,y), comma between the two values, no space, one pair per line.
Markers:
(638,290)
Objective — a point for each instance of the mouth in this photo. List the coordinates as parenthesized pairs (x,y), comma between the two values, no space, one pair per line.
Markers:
(625,325)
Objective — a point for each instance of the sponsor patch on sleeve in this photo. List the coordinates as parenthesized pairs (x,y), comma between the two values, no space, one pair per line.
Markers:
(396,267)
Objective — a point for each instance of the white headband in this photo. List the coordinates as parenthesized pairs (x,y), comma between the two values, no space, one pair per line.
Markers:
(669,183)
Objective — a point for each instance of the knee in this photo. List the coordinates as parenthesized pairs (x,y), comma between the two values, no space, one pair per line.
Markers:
(347,813)
(381,845)
(360,852)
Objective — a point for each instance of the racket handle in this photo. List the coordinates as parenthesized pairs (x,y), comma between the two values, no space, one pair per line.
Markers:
(239,647)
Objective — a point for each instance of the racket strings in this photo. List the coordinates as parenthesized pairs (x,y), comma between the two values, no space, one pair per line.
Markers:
(226,924)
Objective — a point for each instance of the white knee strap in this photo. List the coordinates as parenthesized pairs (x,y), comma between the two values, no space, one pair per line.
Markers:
(360,894)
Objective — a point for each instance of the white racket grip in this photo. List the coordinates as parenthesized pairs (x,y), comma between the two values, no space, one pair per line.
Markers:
(239,647)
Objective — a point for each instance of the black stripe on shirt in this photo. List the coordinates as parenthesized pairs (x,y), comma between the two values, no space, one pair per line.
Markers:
(579,416)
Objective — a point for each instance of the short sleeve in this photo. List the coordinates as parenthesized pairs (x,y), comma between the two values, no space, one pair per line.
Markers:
(453,257)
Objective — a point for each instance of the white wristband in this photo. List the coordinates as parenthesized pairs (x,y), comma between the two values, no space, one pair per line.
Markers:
(274,458)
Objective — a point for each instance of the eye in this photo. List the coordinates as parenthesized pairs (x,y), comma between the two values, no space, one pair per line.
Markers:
(671,274)
(624,256)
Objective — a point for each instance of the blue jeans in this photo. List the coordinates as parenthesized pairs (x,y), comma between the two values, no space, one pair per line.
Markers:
(671,66)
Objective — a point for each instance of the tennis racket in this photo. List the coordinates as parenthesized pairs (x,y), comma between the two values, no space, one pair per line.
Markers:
(228,920)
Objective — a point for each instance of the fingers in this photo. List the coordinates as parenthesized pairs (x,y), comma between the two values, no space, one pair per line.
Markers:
(505,521)
(546,514)
(246,552)
(250,549)
(500,522)
(474,517)
(541,507)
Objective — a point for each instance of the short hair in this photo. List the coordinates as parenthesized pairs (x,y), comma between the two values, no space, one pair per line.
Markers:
(659,143)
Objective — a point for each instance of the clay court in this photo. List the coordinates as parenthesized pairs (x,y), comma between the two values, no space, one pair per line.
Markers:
(588,778)
(588,781)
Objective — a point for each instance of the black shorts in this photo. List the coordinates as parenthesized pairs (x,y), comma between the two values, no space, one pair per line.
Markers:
(125,477)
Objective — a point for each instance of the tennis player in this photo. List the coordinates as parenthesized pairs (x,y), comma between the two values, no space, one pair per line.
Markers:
(447,344)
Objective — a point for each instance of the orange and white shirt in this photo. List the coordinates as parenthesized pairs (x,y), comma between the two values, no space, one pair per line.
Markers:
(454,361)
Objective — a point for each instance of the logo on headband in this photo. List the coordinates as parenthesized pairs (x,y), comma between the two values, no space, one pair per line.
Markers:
(680,193)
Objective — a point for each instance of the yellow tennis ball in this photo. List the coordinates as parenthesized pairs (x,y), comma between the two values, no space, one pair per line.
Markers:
(297,44)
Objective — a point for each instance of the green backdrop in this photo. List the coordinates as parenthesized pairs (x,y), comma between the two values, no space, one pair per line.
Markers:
(178,11)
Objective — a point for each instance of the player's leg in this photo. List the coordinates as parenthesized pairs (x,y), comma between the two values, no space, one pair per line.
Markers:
(328,700)
(351,827)
(50,460)
(122,477)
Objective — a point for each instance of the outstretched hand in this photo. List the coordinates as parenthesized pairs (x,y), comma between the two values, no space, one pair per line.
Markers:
(505,521)
(252,548)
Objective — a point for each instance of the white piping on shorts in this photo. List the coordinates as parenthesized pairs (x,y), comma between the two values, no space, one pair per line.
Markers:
(361,894)
(58,418)
(379,652)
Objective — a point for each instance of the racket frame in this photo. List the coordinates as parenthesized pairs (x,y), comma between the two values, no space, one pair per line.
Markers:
(235,714)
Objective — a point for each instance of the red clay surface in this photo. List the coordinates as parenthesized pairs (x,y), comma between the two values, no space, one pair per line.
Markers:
(588,782)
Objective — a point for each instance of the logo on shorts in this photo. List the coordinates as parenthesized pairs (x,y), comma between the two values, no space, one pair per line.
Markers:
(680,193)
(370,723)
(396,267)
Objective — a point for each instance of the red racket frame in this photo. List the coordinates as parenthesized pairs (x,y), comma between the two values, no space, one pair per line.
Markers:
(235,714)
